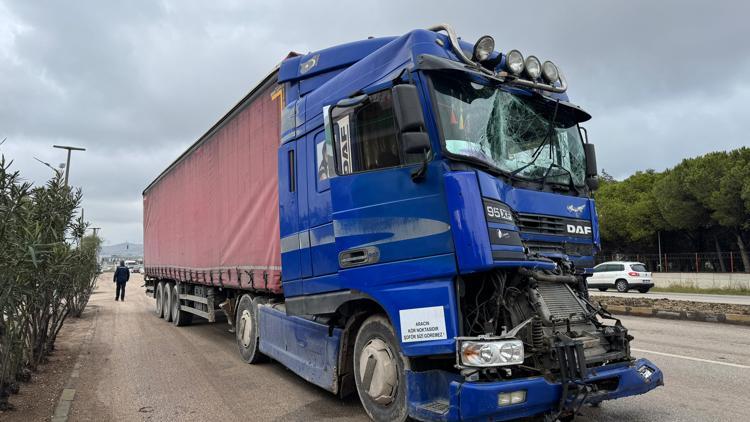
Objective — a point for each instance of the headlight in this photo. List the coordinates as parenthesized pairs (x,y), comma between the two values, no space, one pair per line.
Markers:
(533,67)
(550,72)
(514,62)
(491,353)
(483,48)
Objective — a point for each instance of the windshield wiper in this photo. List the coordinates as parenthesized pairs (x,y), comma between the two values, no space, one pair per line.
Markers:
(571,184)
(547,137)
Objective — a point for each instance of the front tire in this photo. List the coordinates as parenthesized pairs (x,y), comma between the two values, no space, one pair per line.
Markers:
(379,371)
(247,333)
(622,286)
(602,289)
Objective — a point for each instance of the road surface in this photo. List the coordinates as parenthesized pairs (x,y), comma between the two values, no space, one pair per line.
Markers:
(140,368)
(733,299)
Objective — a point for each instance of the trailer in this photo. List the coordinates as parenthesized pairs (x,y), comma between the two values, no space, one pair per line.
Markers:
(405,218)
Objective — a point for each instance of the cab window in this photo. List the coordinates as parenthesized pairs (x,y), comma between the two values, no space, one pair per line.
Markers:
(366,136)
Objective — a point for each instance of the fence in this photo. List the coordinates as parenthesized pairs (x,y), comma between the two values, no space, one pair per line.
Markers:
(689,262)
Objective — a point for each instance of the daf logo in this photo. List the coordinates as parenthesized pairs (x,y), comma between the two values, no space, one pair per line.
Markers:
(576,210)
(502,235)
(576,229)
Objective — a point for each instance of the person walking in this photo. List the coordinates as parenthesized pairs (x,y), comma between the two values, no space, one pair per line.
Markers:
(122,275)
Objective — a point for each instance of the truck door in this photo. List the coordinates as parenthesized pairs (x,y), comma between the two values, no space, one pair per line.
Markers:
(382,212)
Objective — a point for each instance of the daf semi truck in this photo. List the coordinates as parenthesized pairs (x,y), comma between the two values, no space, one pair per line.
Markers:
(404,218)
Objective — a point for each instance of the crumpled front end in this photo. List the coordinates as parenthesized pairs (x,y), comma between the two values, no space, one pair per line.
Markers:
(443,396)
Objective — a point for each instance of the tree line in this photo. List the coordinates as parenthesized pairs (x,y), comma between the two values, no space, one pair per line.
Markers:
(47,271)
(700,205)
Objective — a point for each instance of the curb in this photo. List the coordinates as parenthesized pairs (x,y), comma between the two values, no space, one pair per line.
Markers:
(65,402)
(642,311)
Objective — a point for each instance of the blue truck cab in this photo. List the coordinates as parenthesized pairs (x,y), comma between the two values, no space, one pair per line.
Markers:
(437,229)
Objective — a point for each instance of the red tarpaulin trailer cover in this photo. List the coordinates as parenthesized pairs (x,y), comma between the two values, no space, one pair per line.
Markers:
(213,216)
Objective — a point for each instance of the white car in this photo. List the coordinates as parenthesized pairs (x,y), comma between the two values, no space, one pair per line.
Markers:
(621,275)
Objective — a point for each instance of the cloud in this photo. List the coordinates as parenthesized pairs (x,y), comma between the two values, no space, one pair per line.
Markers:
(137,82)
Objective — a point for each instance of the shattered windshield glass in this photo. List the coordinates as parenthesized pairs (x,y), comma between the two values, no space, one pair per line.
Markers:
(523,136)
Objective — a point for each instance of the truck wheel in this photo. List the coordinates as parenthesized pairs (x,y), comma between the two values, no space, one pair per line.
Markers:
(167,301)
(179,317)
(622,286)
(247,335)
(379,371)
(159,299)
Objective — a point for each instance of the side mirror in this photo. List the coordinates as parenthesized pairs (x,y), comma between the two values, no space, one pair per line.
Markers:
(590,152)
(415,142)
(592,183)
(407,108)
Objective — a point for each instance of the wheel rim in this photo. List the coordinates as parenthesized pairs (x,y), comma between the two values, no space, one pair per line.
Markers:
(167,301)
(245,328)
(621,286)
(378,371)
(159,299)
(175,304)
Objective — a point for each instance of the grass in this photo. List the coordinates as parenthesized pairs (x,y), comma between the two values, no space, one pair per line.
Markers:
(741,290)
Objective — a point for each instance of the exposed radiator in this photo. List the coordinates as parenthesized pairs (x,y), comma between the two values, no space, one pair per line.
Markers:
(561,302)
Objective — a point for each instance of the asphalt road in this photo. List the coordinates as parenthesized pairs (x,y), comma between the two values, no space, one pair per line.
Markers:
(736,300)
(141,368)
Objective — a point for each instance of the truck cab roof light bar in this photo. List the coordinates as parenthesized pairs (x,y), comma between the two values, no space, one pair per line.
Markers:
(499,76)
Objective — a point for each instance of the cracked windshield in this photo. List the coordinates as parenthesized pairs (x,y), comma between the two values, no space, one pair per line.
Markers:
(519,136)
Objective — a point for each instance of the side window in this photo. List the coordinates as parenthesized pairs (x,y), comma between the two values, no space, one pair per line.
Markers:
(324,158)
(598,268)
(366,135)
(607,268)
(619,267)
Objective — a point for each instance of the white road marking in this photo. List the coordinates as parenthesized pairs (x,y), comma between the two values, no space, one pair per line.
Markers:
(733,365)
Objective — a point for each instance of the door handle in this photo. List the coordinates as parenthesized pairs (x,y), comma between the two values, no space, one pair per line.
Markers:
(359,256)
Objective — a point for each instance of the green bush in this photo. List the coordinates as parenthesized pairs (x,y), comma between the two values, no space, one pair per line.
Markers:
(47,271)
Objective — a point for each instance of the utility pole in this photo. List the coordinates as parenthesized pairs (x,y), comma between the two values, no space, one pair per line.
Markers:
(96,230)
(658,233)
(67,162)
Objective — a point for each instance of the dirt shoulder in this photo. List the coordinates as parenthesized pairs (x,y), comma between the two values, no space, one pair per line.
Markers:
(674,305)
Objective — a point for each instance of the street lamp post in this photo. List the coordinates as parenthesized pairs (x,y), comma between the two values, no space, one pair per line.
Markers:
(67,162)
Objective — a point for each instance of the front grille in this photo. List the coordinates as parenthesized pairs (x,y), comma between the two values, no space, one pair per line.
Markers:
(544,247)
(561,302)
(544,224)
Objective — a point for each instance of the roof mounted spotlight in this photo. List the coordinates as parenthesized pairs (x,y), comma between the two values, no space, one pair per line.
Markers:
(483,48)
(514,62)
(533,67)
(550,72)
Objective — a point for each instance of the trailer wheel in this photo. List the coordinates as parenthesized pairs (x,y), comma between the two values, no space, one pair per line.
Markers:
(159,299)
(248,338)
(379,371)
(167,301)
(179,317)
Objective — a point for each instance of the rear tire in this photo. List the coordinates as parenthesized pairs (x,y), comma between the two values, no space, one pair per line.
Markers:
(159,294)
(247,333)
(644,289)
(602,289)
(379,371)
(622,286)
(167,301)
(179,317)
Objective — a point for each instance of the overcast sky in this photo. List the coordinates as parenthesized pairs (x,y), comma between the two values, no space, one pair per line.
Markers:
(136,82)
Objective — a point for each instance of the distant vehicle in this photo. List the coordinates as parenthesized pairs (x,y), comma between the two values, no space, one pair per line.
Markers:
(130,264)
(622,276)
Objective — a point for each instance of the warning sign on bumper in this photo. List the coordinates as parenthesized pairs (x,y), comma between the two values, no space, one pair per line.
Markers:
(423,324)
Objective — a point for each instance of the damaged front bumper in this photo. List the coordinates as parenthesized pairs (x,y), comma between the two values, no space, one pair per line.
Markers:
(443,396)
